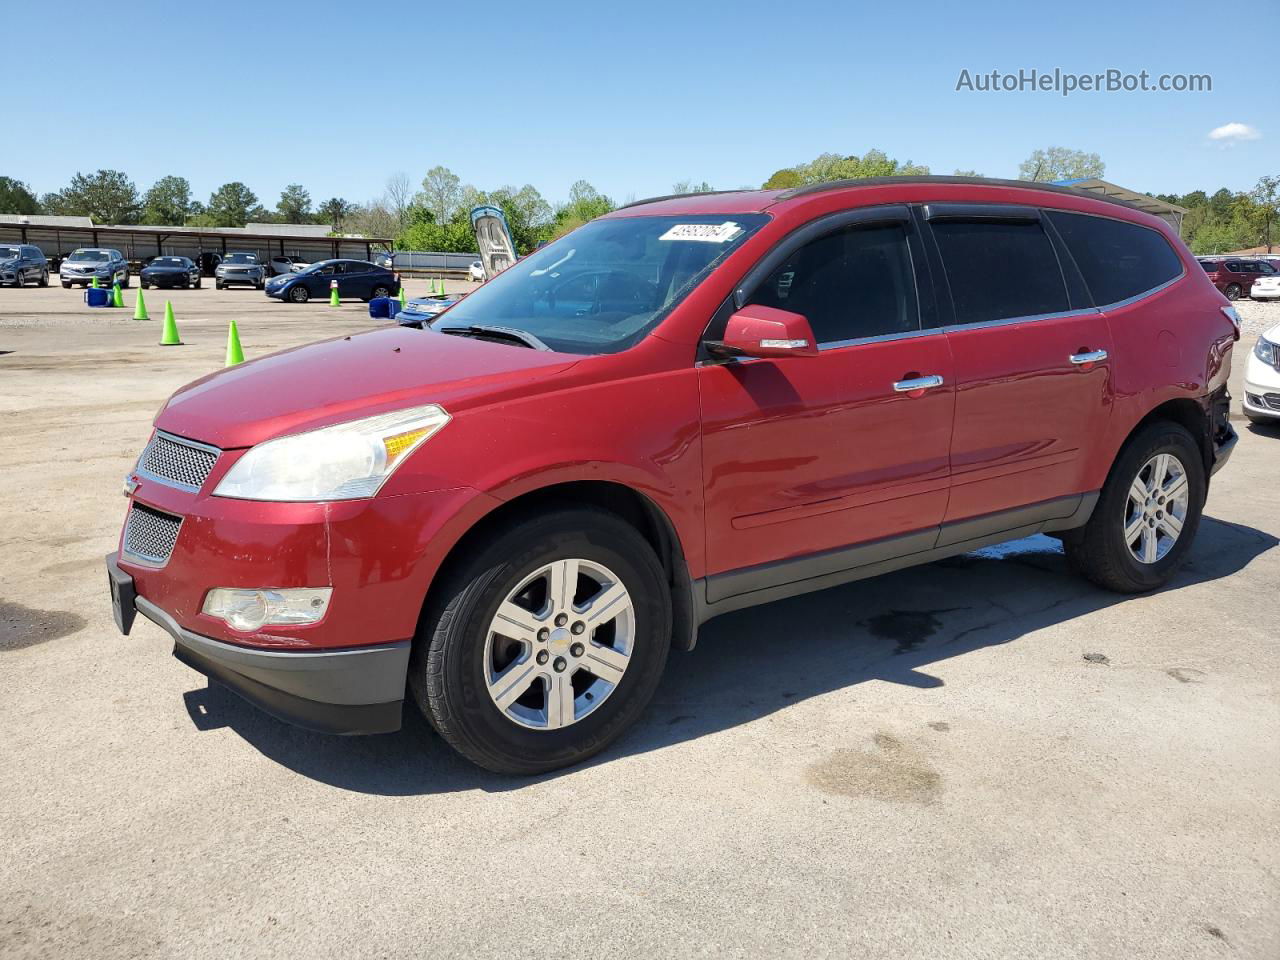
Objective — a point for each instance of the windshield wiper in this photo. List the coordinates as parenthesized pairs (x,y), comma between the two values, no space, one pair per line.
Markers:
(522,337)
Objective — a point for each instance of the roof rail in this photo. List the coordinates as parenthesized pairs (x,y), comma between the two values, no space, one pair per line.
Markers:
(677,196)
(972,181)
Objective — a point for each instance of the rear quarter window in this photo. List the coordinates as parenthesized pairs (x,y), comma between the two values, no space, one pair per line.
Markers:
(1118,260)
(998,270)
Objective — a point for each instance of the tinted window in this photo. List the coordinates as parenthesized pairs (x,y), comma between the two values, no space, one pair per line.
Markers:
(1118,260)
(1000,270)
(1208,267)
(1265,268)
(853,283)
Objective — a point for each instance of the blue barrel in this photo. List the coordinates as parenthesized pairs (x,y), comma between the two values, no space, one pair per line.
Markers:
(380,307)
(97,297)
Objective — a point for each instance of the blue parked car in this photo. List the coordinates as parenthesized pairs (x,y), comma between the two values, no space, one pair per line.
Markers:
(356,279)
(422,310)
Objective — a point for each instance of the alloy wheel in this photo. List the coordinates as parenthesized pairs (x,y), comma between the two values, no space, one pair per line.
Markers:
(1156,509)
(559,644)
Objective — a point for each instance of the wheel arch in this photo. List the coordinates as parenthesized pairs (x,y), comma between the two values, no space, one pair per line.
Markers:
(632,506)
(1186,412)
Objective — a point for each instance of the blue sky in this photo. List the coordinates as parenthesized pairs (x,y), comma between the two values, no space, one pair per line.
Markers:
(630,97)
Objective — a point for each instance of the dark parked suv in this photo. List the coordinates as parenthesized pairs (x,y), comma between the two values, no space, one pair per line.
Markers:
(355,278)
(21,263)
(1234,276)
(511,516)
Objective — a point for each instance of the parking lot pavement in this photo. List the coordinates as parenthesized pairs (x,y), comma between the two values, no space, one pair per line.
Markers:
(985,757)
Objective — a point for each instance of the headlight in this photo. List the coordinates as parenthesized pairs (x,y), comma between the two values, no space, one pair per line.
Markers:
(343,462)
(1267,352)
(249,610)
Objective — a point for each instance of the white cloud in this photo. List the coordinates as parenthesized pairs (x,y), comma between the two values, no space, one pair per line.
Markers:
(1233,132)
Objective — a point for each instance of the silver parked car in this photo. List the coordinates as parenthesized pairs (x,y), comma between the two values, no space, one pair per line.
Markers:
(240,268)
(83,265)
(20,262)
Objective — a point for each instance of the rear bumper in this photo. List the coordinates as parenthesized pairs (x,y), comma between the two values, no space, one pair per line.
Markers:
(353,691)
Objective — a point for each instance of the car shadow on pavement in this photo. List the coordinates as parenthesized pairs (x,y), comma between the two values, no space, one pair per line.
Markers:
(755,662)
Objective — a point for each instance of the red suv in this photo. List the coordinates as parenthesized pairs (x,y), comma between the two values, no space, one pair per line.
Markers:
(1235,277)
(689,406)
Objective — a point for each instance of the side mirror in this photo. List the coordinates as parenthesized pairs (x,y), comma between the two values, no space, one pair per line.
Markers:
(765,332)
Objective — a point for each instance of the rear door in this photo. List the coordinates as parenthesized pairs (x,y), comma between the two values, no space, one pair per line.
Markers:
(1033,384)
(807,460)
(353,279)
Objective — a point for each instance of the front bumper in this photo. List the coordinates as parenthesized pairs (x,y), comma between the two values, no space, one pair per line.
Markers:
(166,281)
(1261,388)
(351,691)
(277,292)
(240,279)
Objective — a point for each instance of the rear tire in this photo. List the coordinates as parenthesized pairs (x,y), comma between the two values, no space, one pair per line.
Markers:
(380,292)
(459,660)
(1108,550)
(1233,291)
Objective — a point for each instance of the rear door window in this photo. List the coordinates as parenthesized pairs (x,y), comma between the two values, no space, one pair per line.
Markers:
(998,270)
(1118,260)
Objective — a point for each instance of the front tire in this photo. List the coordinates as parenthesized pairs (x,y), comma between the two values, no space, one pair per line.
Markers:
(545,645)
(299,294)
(1147,516)
(196,285)
(66,284)
(44,278)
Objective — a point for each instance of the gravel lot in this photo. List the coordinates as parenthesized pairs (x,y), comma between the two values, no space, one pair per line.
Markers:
(923,765)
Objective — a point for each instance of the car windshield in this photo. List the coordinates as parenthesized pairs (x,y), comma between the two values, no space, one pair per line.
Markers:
(603,287)
(168,262)
(240,258)
(90,256)
(7,253)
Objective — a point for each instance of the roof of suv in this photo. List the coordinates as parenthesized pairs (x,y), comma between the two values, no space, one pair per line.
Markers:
(756,201)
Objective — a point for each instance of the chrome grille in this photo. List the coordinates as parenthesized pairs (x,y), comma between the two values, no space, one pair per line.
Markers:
(150,534)
(178,462)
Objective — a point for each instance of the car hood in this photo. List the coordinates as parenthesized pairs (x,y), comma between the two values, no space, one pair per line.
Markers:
(348,378)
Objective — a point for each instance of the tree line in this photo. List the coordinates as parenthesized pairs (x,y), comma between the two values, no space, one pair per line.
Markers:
(433,214)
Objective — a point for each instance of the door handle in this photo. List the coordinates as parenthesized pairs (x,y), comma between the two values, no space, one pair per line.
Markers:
(1092,356)
(919,383)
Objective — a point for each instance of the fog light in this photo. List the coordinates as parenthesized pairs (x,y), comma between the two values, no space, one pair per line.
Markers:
(249,610)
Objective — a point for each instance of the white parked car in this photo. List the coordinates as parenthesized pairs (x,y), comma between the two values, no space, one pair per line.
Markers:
(476,271)
(1262,379)
(1266,288)
(283,265)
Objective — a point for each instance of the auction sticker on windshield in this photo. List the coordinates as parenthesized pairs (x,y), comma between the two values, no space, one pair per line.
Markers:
(703,232)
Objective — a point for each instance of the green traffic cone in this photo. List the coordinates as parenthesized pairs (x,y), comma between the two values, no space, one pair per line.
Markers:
(170,336)
(94,283)
(333,296)
(234,353)
(117,298)
(140,309)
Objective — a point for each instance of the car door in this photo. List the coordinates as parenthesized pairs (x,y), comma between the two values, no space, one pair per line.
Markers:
(353,279)
(1032,375)
(318,282)
(809,461)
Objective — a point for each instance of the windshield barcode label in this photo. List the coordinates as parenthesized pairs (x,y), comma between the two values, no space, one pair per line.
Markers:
(703,232)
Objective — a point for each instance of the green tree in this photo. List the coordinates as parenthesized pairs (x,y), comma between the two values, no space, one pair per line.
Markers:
(294,205)
(334,212)
(16,197)
(232,205)
(690,186)
(785,179)
(108,196)
(167,202)
(1060,163)
(441,193)
(1266,195)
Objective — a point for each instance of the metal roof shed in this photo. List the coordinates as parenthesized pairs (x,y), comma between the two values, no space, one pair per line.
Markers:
(1171,213)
